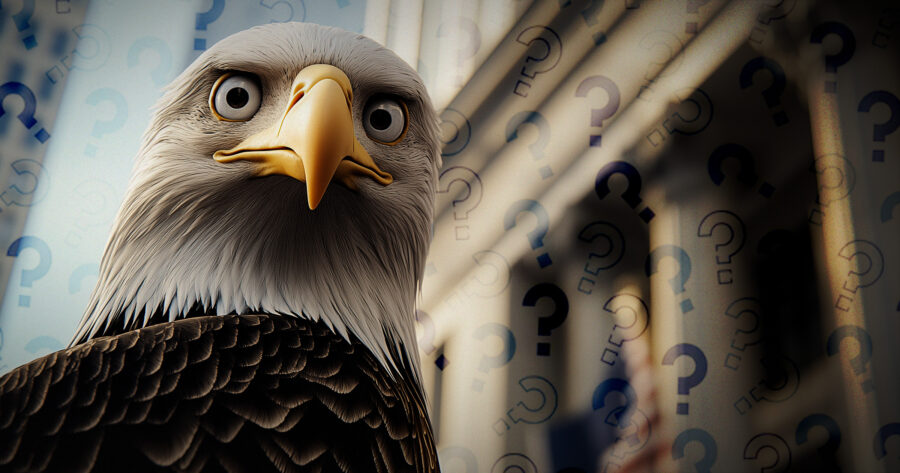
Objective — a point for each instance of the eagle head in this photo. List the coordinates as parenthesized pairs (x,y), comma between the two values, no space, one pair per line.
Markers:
(290,170)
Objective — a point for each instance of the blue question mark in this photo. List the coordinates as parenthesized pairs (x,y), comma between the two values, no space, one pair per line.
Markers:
(536,236)
(204,19)
(710,449)
(833,61)
(540,144)
(651,267)
(103,127)
(160,73)
(29,276)
(508,341)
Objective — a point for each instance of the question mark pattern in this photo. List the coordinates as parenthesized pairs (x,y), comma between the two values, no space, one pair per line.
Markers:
(26,116)
(547,324)
(864,342)
(426,341)
(466,180)
(727,248)
(589,13)
(536,236)
(29,276)
(771,94)
(678,281)
(541,403)
(637,318)
(608,110)
(686,383)
(537,148)
(833,61)
(613,244)
(778,388)
(745,308)
(543,54)
(204,19)
(772,443)
(693,114)
(632,193)
(747,171)
(867,271)
(881,130)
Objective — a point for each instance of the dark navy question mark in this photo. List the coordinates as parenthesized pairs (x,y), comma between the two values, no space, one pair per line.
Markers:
(833,61)
(536,236)
(547,324)
(710,449)
(888,206)
(651,266)
(621,415)
(536,148)
(772,93)
(863,340)
(608,110)
(204,19)
(22,20)
(884,433)
(746,174)
(833,441)
(632,193)
(686,383)
(881,130)
(29,276)
(27,114)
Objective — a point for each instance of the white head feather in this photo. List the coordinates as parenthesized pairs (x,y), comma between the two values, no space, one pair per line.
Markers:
(193,232)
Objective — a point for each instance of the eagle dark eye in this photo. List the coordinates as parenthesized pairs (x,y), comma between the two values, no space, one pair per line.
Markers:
(235,97)
(384,120)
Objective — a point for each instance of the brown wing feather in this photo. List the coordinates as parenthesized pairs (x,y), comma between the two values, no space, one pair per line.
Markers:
(231,393)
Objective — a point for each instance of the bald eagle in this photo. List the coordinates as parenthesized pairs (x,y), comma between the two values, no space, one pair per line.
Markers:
(244,318)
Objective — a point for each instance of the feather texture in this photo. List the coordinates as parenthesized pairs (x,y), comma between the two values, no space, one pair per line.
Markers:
(250,393)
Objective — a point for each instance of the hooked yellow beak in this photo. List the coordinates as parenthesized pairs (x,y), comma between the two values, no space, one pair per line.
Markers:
(313,141)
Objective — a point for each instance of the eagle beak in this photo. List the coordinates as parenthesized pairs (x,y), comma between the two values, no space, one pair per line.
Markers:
(314,140)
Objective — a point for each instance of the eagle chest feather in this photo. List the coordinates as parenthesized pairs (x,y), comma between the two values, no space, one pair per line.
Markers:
(231,393)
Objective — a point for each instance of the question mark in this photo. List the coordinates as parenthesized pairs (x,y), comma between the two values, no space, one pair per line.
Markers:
(536,236)
(631,424)
(508,341)
(710,449)
(91,52)
(887,207)
(455,132)
(625,307)
(884,433)
(15,195)
(747,173)
(833,61)
(426,341)
(30,106)
(863,340)
(776,10)
(464,179)
(104,127)
(160,73)
(867,271)
(21,19)
(835,179)
(693,6)
(614,245)
(632,193)
(29,276)
(514,463)
(666,59)
(461,453)
(748,308)
(464,51)
(773,443)
(772,94)
(590,12)
(833,441)
(43,343)
(651,266)
(685,383)
(781,383)
(540,389)
(494,264)
(203,19)
(547,324)
(690,113)
(536,148)
(881,130)
(80,273)
(544,52)
(271,4)
(726,248)
(608,110)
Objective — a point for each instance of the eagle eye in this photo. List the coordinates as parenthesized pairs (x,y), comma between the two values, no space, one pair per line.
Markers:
(384,119)
(235,97)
